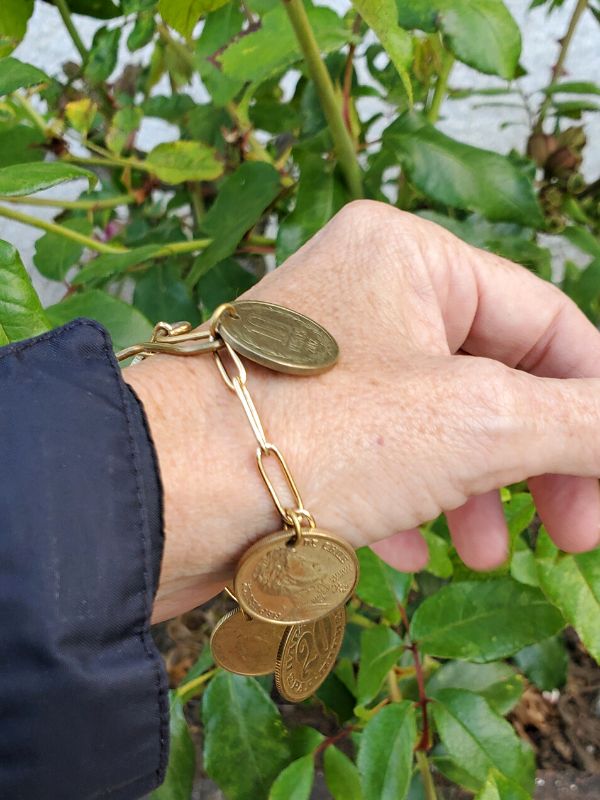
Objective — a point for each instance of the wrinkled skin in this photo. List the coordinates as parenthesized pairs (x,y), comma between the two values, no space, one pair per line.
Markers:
(460,372)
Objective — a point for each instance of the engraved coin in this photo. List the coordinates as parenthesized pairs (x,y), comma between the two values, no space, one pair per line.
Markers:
(245,646)
(284,582)
(307,654)
(279,338)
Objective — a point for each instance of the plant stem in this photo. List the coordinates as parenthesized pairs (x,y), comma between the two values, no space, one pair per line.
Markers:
(188,246)
(187,691)
(342,141)
(97,161)
(441,86)
(335,738)
(60,230)
(258,152)
(63,10)
(196,201)
(348,73)
(424,742)
(183,247)
(85,205)
(392,681)
(33,115)
(426,776)
(565,43)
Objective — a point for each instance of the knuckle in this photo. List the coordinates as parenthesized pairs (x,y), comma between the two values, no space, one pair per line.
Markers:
(369,218)
(492,395)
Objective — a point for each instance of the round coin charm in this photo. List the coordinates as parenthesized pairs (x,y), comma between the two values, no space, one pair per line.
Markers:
(286,582)
(307,654)
(245,646)
(279,338)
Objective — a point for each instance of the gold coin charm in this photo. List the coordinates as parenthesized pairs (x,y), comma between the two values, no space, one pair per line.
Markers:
(278,338)
(289,582)
(245,646)
(307,654)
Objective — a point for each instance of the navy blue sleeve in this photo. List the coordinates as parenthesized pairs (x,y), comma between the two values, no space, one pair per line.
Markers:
(83,695)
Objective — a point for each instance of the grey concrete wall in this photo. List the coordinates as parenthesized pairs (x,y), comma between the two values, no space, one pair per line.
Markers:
(47,46)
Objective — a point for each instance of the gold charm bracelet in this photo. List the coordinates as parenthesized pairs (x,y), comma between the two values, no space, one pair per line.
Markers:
(291,586)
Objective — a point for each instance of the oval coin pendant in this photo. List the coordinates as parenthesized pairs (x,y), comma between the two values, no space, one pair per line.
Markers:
(307,654)
(279,338)
(245,646)
(287,583)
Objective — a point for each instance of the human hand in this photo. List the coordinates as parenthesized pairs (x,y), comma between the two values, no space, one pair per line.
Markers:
(459,373)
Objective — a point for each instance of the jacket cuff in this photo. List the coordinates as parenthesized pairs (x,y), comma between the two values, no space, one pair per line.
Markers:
(83,692)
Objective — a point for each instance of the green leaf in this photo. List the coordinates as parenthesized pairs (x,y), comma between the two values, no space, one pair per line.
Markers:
(382,17)
(451,770)
(341,775)
(523,566)
(125,122)
(181,769)
(295,781)
(102,58)
(124,323)
(21,144)
(499,787)
(169,107)
(273,47)
(21,313)
(81,114)
(572,582)
(142,32)
(182,15)
(99,9)
(335,695)
(137,6)
(500,684)
(545,663)
(583,239)
(245,745)
(15,74)
(160,294)
(380,585)
(573,87)
(219,30)
(483,34)
(304,740)
(242,200)
(176,162)
(574,108)
(462,176)
(585,288)
(54,254)
(386,752)
(108,265)
(440,563)
(320,196)
(380,649)
(483,620)
(21,179)
(13,23)
(478,739)
(519,511)
(225,281)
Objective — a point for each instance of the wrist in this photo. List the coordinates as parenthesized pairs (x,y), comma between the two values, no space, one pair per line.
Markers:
(215,503)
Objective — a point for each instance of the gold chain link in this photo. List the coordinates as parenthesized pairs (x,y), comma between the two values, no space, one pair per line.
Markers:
(180,339)
(291,517)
